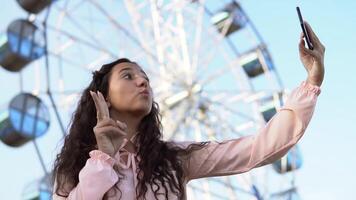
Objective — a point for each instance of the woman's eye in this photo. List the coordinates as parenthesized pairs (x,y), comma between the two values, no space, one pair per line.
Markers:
(128,75)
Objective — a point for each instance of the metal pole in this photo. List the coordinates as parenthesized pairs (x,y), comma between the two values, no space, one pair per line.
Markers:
(47,73)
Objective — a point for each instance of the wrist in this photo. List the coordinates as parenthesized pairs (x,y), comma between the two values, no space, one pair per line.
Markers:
(105,150)
(314,81)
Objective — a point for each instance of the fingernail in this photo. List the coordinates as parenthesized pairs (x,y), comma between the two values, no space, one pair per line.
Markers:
(100,94)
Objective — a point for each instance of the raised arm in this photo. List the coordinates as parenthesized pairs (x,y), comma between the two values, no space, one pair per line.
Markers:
(271,142)
(280,134)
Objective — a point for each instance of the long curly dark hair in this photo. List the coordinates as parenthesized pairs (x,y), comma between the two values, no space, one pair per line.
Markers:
(165,164)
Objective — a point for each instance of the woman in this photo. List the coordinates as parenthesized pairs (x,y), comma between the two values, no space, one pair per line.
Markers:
(114,148)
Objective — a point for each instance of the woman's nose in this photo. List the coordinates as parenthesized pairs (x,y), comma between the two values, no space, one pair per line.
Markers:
(142,82)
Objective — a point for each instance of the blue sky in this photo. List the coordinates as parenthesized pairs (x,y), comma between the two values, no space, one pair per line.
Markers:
(330,140)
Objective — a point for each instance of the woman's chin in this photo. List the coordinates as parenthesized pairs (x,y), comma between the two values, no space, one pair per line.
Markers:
(142,110)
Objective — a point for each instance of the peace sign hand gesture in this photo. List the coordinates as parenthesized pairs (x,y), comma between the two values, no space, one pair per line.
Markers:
(109,134)
(313,60)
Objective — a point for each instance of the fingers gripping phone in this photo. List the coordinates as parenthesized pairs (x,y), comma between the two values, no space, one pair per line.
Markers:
(305,32)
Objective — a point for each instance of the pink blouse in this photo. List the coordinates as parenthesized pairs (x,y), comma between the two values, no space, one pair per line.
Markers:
(234,156)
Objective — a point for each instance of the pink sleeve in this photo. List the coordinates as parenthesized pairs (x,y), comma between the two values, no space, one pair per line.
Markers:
(95,179)
(270,143)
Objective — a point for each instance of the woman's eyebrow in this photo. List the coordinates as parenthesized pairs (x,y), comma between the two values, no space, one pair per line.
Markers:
(129,68)
(126,68)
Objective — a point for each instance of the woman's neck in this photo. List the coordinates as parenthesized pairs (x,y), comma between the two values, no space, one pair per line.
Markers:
(132,122)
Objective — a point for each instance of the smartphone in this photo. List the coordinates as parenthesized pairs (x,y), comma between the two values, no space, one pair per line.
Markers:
(307,38)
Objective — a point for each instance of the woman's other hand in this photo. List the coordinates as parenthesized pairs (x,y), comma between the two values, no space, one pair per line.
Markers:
(109,134)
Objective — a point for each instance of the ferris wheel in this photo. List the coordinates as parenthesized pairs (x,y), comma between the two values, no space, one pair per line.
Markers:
(210,70)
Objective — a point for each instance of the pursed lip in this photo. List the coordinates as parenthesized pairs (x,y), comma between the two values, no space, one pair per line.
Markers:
(144,92)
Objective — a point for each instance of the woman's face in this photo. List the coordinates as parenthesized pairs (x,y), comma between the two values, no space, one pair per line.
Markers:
(130,90)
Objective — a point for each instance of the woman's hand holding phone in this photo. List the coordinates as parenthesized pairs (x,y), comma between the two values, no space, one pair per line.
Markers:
(312,59)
